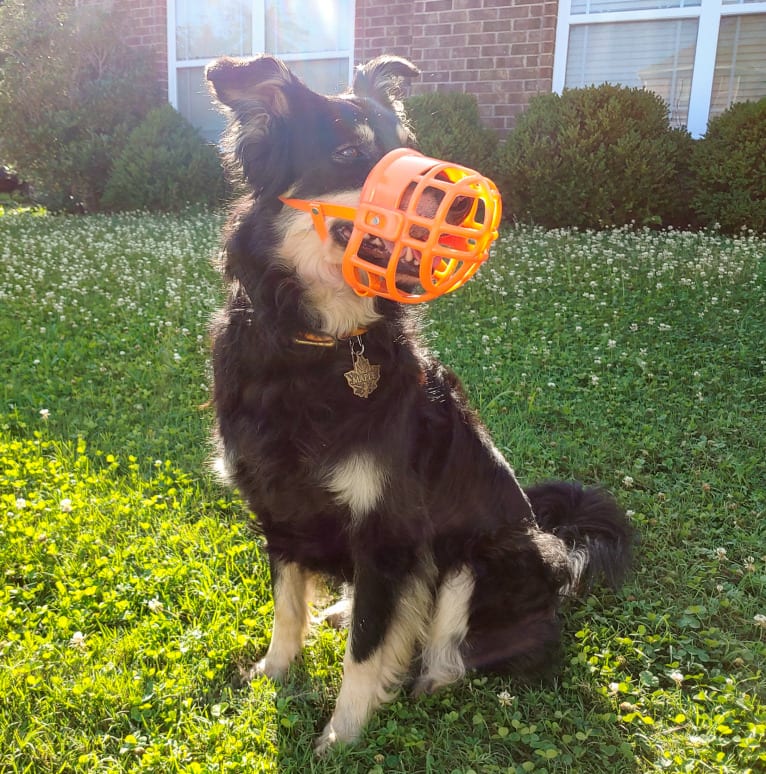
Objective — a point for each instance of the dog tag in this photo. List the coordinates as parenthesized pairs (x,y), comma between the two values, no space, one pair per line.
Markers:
(364,376)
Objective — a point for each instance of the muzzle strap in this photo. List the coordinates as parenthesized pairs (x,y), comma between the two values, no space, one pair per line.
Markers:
(319,211)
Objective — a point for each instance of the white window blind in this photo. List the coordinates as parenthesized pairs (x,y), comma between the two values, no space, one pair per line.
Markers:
(698,55)
(315,38)
(657,55)
(740,62)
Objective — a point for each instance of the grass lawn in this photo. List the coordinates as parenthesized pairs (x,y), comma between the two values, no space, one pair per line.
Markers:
(132,587)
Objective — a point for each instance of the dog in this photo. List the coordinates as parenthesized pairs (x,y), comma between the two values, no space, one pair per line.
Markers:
(399,492)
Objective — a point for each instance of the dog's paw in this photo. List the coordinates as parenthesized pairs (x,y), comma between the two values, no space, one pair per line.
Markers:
(427,684)
(264,668)
(424,686)
(332,736)
(325,742)
(337,616)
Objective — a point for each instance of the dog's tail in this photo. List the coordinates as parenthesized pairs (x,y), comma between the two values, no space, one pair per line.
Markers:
(592,525)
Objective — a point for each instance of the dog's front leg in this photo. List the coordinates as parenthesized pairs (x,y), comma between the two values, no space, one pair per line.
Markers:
(291,618)
(386,621)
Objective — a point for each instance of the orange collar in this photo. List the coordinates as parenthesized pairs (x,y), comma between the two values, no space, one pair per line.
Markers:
(324,339)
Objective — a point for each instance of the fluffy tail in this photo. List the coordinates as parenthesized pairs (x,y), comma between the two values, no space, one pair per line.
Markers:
(593,526)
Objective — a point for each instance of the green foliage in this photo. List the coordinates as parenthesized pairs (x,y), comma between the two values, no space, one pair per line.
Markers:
(448,126)
(165,165)
(594,157)
(731,169)
(70,92)
(131,590)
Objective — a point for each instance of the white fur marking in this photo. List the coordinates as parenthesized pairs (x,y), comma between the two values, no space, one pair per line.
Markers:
(291,620)
(367,684)
(442,662)
(577,560)
(224,464)
(318,264)
(358,482)
(366,134)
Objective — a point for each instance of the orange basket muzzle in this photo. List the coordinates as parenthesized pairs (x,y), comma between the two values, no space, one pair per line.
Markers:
(421,229)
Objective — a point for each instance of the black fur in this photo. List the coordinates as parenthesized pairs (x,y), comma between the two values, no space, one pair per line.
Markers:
(287,419)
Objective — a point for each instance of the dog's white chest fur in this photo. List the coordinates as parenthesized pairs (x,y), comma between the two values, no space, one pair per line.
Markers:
(358,482)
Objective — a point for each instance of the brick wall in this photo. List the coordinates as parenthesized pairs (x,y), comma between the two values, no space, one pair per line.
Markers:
(149,26)
(499,50)
(148,30)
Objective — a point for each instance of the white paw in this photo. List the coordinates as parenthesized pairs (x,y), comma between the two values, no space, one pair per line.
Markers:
(431,682)
(331,737)
(325,741)
(337,616)
(266,667)
(424,686)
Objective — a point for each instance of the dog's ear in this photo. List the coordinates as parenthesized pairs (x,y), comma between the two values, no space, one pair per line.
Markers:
(254,93)
(243,84)
(381,79)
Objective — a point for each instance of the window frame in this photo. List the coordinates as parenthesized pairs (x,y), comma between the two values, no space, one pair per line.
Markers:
(259,46)
(708,14)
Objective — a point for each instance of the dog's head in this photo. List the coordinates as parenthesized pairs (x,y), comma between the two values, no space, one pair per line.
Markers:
(285,138)
(288,141)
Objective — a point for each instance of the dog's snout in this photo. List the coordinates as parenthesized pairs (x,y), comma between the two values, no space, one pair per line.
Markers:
(429,200)
(459,210)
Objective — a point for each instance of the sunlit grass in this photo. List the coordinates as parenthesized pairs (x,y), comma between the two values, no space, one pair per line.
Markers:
(133,589)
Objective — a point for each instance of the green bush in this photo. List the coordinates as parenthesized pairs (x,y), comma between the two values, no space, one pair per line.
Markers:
(165,165)
(595,157)
(70,92)
(731,169)
(448,126)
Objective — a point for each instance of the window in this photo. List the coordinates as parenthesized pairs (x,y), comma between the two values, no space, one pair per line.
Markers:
(315,38)
(698,55)
(740,62)
(657,55)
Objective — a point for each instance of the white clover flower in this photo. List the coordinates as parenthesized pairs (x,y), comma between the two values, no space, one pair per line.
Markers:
(760,620)
(44,413)
(720,554)
(628,482)
(21,503)
(676,677)
(176,357)
(594,380)
(505,699)
(155,605)
(77,640)
(66,505)
(750,564)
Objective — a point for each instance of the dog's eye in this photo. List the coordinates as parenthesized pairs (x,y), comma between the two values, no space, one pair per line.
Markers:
(347,153)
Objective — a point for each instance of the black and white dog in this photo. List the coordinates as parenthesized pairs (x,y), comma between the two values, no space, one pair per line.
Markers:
(401,493)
